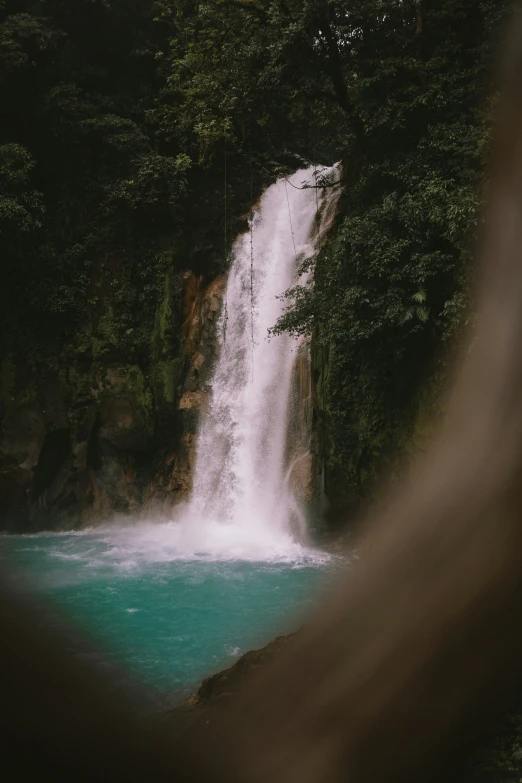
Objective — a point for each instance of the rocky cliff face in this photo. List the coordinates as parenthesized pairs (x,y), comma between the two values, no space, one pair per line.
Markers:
(305,466)
(86,437)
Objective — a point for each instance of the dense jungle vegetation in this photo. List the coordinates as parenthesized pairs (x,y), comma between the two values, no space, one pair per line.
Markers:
(133,132)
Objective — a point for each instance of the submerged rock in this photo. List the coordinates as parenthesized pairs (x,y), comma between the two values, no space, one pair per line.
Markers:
(228,682)
(198,713)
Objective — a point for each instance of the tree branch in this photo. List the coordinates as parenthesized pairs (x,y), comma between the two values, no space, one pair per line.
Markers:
(419,19)
(246,5)
(335,73)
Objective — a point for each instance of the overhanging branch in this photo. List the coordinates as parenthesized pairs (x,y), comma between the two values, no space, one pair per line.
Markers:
(246,5)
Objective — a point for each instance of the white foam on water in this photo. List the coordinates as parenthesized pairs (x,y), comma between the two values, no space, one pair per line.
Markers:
(132,545)
(129,547)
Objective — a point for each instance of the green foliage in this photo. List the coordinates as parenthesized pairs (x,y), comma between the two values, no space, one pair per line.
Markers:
(120,158)
(89,198)
(252,73)
(20,204)
(169,374)
(391,285)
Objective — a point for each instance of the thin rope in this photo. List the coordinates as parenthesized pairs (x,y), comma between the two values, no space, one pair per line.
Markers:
(325,469)
(252,261)
(225,309)
(287,182)
(290,216)
(317,187)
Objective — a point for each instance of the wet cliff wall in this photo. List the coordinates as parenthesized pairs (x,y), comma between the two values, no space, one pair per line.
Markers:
(85,437)
(116,219)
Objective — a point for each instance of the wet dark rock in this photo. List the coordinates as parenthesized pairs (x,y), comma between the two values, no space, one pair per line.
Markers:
(228,682)
(106,436)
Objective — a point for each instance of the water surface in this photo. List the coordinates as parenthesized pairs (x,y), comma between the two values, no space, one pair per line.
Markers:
(169,621)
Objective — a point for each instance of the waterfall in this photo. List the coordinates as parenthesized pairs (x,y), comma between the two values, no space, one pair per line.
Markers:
(240,502)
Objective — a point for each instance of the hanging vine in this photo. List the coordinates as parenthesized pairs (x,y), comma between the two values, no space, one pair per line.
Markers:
(225,306)
(252,262)
(290,217)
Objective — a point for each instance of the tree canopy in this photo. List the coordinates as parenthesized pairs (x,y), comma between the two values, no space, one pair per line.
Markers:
(130,129)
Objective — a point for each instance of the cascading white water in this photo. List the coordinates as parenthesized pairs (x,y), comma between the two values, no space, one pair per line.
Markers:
(240,503)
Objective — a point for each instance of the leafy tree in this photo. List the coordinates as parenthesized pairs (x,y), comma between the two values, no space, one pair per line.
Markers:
(89,189)
(133,132)
(398,90)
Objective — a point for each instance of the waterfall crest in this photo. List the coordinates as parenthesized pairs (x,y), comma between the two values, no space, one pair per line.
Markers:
(241,504)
